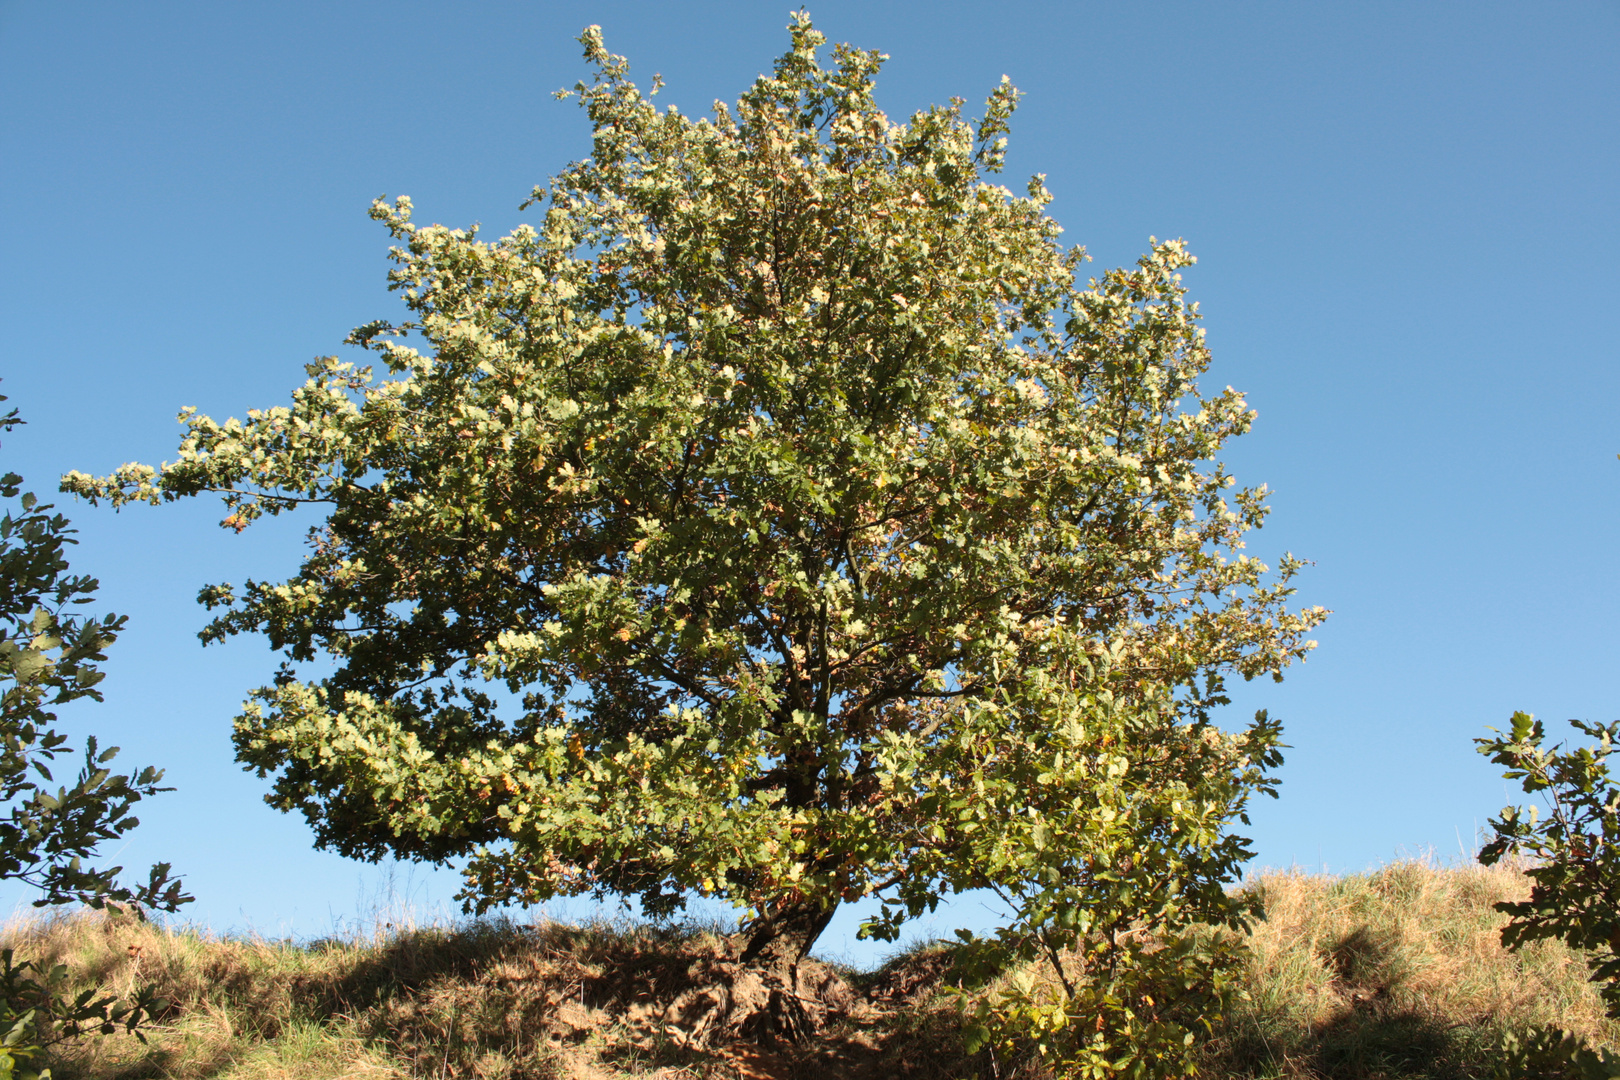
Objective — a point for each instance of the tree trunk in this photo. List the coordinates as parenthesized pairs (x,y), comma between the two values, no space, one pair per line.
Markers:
(785,936)
(763,993)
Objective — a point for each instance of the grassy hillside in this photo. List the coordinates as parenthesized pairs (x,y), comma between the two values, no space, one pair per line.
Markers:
(1394,974)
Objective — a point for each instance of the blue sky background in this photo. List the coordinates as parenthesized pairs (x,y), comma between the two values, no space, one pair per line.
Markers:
(1406,221)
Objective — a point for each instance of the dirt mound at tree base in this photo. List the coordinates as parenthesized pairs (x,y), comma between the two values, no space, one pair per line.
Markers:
(595,1001)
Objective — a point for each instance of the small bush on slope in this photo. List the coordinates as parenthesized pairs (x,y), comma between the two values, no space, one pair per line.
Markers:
(1397,974)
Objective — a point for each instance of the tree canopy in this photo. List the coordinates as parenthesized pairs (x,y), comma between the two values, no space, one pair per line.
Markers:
(780,518)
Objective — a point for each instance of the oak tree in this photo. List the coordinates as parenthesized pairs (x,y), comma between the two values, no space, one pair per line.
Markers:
(781,518)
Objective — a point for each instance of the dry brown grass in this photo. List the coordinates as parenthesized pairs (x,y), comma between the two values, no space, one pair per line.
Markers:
(1395,974)
(248,1009)
(1400,972)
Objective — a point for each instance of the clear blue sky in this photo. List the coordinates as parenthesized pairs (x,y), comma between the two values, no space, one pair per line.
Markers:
(1406,219)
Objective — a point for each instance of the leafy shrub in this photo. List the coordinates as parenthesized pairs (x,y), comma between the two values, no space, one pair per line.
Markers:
(1575,867)
(48,658)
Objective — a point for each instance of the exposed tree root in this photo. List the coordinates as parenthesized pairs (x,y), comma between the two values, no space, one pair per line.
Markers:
(784,1004)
